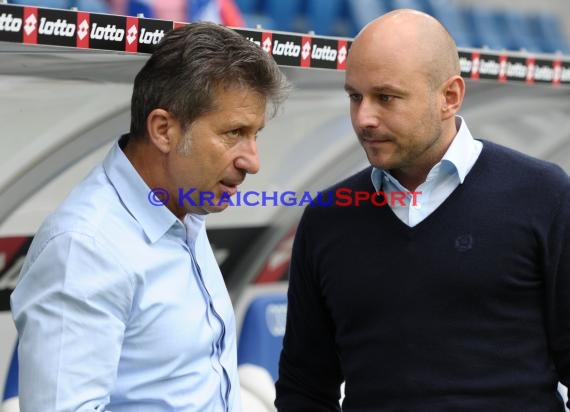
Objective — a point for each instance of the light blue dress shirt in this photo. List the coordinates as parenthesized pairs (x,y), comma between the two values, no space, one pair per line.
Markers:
(122,307)
(441,181)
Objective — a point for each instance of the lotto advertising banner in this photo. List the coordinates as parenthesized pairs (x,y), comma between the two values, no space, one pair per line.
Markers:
(33,25)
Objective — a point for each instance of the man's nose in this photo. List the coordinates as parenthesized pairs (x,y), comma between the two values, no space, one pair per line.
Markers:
(366,115)
(248,159)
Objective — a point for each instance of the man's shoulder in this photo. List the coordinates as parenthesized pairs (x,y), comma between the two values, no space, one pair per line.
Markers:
(92,210)
(518,165)
(519,176)
(358,181)
(329,200)
(88,206)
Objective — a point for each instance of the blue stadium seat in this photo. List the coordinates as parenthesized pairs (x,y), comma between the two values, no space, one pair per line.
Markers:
(409,4)
(10,395)
(249,6)
(345,15)
(261,336)
(54,4)
(361,12)
(322,15)
(283,12)
(254,15)
(482,24)
(257,19)
(518,33)
(94,6)
(447,12)
(136,7)
(547,28)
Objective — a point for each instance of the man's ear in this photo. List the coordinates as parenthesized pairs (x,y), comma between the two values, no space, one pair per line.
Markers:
(161,127)
(453,92)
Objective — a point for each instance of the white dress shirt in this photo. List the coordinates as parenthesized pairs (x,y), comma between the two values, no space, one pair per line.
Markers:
(441,181)
(122,307)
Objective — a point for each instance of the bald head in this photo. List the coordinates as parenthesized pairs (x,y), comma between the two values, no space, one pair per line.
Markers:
(404,84)
(411,38)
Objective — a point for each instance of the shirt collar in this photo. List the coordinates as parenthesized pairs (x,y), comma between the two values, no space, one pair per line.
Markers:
(194,224)
(458,155)
(134,193)
(460,150)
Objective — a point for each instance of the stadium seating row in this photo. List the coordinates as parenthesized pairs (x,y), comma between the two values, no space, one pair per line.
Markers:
(471,27)
(476,27)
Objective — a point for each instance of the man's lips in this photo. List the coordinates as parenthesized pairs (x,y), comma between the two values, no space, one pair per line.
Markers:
(374,141)
(229,187)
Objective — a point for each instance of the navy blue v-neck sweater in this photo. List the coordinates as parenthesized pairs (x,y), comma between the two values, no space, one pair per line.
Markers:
(467,311)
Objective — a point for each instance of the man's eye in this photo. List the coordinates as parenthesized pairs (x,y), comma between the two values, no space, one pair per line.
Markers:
(234,133)
(385,98)
(355,97)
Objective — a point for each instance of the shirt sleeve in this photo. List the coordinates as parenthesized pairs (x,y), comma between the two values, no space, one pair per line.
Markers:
(70,308)
(309,368)
(558,287)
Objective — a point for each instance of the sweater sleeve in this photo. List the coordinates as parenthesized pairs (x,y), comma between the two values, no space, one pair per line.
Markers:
(558,286)
(309,368)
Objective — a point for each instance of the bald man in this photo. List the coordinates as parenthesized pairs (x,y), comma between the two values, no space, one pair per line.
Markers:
(447,288)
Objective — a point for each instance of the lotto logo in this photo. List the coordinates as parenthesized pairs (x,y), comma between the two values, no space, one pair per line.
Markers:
(30,24)
(108,32)
(56,28)
(10,23)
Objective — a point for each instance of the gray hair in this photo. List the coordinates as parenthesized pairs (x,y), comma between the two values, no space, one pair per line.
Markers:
(189,64)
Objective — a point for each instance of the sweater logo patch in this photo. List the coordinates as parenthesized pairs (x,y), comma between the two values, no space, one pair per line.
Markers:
(463,243)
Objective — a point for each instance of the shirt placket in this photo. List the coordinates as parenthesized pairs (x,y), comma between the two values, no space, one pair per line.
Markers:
(417,205)
(217,324)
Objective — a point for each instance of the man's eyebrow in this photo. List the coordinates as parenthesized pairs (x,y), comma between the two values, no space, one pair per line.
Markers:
(348,88)
(388,88)
(237,122)
(380,89)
